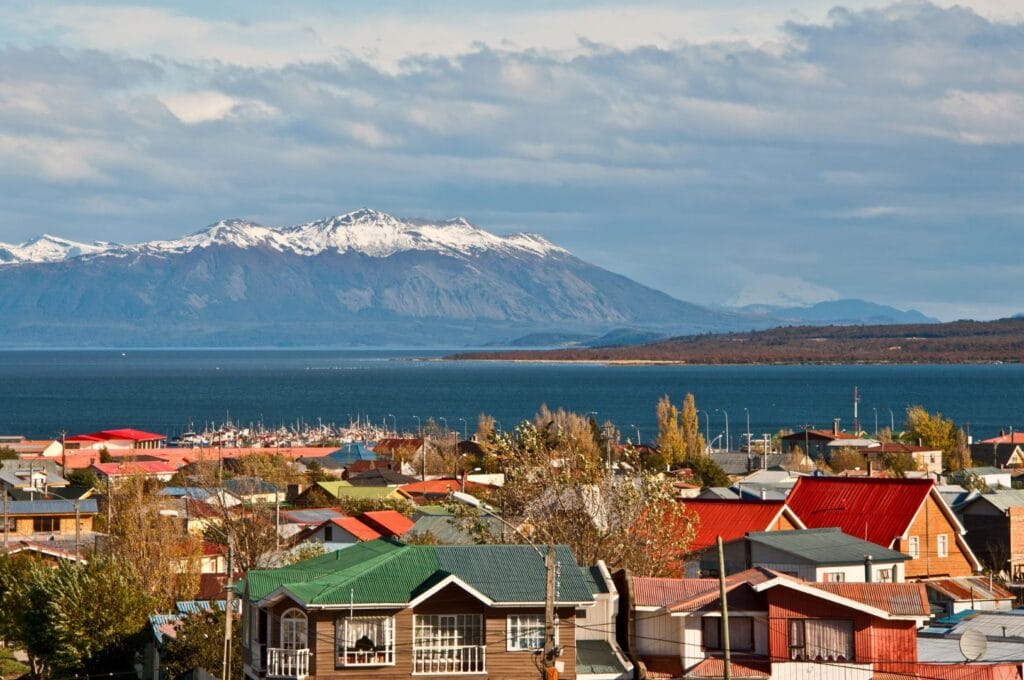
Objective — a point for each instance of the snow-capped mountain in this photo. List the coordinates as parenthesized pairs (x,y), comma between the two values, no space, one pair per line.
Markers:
(363,278)
(364,231)
(47,248)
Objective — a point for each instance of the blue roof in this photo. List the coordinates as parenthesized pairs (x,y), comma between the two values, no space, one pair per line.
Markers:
(351,452)
(186,607)
(192,492)
(56,507)
(156,621)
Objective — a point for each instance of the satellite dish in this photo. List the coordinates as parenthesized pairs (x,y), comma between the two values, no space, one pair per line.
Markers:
(973,645)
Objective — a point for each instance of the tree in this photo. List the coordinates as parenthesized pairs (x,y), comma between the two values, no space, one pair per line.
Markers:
(83,477)
(105,456)
(670,439)
(899,464)
(689,427)
(303,552)
(356,506)
(7,453)
(148,542)
(846,458)
(85,617)
(707,471)
(315,472)
(199,643)
(558,491)
(16,575)
(931,430)
(960,456)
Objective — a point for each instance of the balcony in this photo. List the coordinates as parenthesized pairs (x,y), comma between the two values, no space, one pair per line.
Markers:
(444,660)
(287,663)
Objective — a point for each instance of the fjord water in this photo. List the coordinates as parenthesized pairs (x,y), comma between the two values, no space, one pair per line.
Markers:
(42,392)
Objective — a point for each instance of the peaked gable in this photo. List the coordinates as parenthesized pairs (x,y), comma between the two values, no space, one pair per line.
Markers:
(732,519)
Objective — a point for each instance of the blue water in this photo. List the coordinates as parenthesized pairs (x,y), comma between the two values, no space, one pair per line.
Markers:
(163,391)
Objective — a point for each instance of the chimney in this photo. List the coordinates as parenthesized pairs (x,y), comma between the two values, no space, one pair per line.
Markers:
(764,494)
(835,427)
(867,569)
(869,464)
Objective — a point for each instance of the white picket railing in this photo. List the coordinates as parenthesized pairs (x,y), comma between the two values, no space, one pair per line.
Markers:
(466,659)
(287,663)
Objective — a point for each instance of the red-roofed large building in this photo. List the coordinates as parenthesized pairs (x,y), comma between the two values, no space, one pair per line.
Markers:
(906,515)
(734,518)
(779,626)
(115,440)
(154,469)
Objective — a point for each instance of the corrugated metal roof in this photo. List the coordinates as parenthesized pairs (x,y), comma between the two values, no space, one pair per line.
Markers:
(595,579)
(899,599)
(387,522)
(649,591)
(54,507)
(310,516)
(878,510)
(826,546)
(714,667)
(1003,499)
(967,588)
(356,528)
(994,624)
(597,657)
(385,571)
(730,518)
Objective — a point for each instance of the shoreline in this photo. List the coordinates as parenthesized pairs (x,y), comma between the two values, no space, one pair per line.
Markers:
(678,362)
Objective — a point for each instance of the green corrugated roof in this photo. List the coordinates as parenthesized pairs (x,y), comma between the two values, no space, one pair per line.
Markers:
(825,546)
(343,489)
(595,579)
(386,571)
(595,657)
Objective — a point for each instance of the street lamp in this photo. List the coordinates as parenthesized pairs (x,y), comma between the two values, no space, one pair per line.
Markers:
(892,422)
(445,424)
(550,651)
(419,429)
(728,440)
(637,433)
(875,409)
(707,428)
(748,427)
(394,423)
(465,429)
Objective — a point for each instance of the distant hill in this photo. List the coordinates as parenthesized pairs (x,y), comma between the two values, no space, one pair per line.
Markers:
(847,312)
(955,342)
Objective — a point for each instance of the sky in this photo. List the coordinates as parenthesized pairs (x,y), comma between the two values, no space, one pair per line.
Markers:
(736,152)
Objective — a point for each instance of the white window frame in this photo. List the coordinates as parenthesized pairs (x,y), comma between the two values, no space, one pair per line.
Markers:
(884,575)
(375,657)
(914,547)
(942,545)
(439,640)
(517,627)
(291,622)
(833,577)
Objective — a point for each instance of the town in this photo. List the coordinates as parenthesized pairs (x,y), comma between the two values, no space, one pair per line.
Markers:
(561,548)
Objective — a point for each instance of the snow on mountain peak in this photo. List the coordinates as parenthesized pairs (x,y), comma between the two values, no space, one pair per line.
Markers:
(366,231)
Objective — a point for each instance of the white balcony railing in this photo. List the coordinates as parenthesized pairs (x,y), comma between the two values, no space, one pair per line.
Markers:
(467,659)
(287,663)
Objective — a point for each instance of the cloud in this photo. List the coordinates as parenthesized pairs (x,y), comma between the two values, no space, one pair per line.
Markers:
(682,146)
(787,291)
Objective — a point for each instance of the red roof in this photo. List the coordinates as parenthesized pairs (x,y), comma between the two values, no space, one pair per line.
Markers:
(714,667)
(649,591)
(877,510)
(1012,438)
(819,434)
(388,522)
(148,467)
(353,526)
(899,599)
(731,518)
(107,435)
(438,487)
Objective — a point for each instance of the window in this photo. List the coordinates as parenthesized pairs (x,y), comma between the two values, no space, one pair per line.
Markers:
(328,533)
(833,577)
(448,643)
(943,545)
(741,633)
(821,639)
(293,630)
(45,524)
(884,575)
(913,547)
(365,641)
(526,632)
(12,524)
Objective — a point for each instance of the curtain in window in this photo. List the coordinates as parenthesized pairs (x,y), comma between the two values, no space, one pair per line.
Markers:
(821,639)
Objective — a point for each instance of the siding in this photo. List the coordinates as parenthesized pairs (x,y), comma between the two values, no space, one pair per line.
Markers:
(929,523)
(23,525)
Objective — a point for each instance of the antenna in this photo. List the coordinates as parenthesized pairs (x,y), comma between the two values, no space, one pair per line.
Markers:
(973,645)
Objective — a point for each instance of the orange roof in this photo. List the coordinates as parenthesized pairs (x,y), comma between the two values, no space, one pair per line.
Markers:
(353,526)
(388,522)
(149,467)
(1012,438)
(900,599)
(649,591)
(731,518)
(714,667)
(439,487)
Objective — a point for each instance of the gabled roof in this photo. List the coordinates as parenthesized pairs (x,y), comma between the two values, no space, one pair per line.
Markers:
(878,510)
(825,547)
(247,485)
(898,599)
(387,572)
(351,452)
(379,477)
(310,515)
(1012,438)
(108,435)
(649,591)
(342,489)
(969,588)
(52,507)
(1002,499)
(359,529)
(734,518)
(393,444)
(439,487)
(387,522)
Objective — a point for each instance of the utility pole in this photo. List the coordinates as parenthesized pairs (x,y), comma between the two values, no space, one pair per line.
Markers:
(228,592)
(78,529)
(549,615)
(6,518)
(726,660)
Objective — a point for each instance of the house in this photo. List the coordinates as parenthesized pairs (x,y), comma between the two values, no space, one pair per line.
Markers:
(994,478)
(951,596)
(115,440)
(1001,658)
(332,491)
(434,490)
(816,555)
(906,515)
(1006,450)
(598,655)
(814,443)
(732,519)
(50,517)
(995,529)
(151,469)
(253,489)
(779,626)
(385,609)
(926,459)
(31,447)
(337,533)
(214,496)
(32,476)
(44,551)
(399,448)
(387,522)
